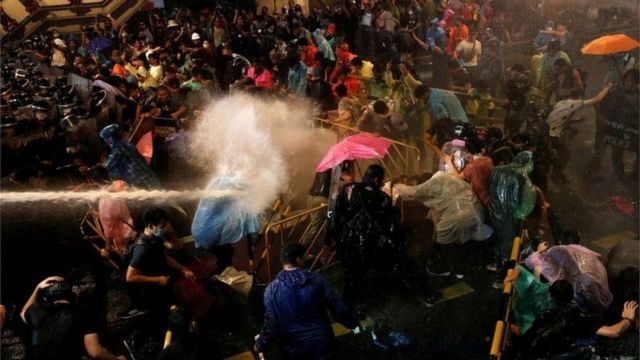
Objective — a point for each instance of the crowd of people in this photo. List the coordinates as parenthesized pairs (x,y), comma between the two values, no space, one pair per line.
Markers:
(101,109)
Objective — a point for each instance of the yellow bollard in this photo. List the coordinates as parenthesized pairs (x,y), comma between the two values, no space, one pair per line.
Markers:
(497,339)
(515,250)
(168,334)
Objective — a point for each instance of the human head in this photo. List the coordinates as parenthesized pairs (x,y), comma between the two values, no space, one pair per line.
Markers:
(154,58)
(380,107)
(515,70)
(356,62)
(422,92)
(195,38)
(524,159)
(163,94)
(561,292)
(561,65)
(155,219)
(522,83)
(58,291)
(292,254)
(197,73)
(303,44)
(630,80)
(374,176)
(341,90)
(435,23)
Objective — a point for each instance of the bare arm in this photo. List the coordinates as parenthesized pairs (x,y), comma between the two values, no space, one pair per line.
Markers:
(96,351)
(628,319)
(596,99)
(420,42)
(34,296)
(134,276)
(177,266)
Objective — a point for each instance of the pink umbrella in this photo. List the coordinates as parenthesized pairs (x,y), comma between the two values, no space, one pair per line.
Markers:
(360,146)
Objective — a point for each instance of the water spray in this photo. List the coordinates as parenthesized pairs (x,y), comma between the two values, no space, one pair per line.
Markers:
(136,195)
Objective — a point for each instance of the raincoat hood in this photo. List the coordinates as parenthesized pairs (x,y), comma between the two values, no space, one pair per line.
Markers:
(523,162)
(295,278)
(110,133)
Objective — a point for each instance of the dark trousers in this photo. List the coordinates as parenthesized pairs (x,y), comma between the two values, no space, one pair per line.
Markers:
(355,278)
(562,154)
(449,257)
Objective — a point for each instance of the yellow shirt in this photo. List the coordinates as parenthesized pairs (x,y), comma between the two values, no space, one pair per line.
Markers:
(58,59)
(367,70)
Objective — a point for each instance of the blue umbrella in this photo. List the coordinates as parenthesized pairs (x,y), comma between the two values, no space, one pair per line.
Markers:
(100,43)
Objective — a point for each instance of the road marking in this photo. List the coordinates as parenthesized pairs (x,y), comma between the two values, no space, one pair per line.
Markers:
(610,241)
(454,291)
(339,330)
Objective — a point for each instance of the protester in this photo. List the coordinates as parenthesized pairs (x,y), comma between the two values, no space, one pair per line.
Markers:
(296,305)
(59,329)
(148,268)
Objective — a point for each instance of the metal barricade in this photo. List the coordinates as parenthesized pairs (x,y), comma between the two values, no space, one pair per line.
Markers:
(501,331)
(307,227)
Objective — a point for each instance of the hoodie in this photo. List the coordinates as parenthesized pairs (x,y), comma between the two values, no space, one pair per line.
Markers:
(296,304)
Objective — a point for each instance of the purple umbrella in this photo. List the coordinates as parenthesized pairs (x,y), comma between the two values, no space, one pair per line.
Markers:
(100,43)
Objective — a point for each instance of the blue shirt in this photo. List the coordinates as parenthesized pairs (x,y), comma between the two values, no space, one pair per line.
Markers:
(445,104)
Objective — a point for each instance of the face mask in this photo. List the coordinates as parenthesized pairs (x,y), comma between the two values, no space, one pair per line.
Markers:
(159,232)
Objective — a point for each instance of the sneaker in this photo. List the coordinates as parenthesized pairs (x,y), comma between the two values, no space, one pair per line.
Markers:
(436,273)
(492,267)
(132,313)
(431,299)
(498,285)
(459,276)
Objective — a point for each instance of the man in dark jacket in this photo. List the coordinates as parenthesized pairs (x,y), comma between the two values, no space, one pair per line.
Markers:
(296,304)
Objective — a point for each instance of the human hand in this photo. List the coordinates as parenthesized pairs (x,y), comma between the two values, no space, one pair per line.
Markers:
(513,276)
(48,282)
(162,280)
(188,274)
(630,310)
(104,252)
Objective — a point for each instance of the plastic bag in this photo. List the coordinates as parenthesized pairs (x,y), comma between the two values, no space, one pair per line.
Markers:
(532,299)
(115,219)
(512,193)
(583,269)
(223,220)
(457,149)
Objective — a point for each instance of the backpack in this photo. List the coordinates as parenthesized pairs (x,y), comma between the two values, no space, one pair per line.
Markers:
(128,255)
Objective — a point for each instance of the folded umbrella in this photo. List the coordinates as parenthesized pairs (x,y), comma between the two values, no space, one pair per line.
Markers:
(360,146)
(610,44)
